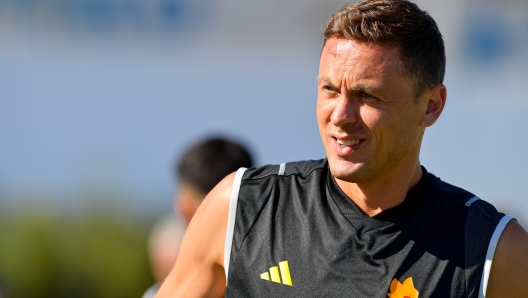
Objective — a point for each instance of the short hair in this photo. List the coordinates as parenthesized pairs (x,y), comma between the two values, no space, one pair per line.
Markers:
(396,23)
(206,163)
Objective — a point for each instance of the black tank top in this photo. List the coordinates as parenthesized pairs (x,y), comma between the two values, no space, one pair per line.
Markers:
(296,234)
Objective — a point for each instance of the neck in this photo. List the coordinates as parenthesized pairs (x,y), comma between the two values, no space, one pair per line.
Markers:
(385,192)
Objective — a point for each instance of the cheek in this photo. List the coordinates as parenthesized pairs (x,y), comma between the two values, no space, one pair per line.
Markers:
(374,121)
(324,112)
(387,131)
(402,133)
(371,117)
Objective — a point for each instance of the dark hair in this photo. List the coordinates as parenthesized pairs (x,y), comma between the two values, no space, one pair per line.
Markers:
(395,23)
(204,164)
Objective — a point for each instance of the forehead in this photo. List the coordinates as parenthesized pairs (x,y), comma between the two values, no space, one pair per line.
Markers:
(345,57)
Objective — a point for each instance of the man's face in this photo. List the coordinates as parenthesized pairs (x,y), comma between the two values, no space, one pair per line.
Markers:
(368,116)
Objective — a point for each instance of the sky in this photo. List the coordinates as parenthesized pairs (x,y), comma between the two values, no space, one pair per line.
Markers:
(103,96)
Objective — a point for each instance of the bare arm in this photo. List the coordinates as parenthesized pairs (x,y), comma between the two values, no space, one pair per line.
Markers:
(509,270)
(199,270)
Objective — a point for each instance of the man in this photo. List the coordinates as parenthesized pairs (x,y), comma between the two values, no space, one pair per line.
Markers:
(368,221)
(200,168)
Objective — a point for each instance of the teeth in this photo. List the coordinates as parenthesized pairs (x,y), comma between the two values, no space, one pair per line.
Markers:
(347,142)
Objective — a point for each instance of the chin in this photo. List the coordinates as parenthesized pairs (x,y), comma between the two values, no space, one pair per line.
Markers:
(347,171)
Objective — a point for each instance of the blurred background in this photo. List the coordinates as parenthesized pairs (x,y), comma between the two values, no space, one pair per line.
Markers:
(99,97)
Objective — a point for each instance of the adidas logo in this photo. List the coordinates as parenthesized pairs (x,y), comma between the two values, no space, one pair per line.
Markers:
(274,274)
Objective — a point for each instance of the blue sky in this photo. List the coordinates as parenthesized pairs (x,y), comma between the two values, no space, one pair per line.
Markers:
(92,98)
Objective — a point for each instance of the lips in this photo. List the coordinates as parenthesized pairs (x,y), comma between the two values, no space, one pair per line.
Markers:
(346,146)
(343,143)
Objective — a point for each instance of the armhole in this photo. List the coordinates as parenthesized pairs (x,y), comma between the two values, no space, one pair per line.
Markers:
(491,251)
(472,200)
(231,218)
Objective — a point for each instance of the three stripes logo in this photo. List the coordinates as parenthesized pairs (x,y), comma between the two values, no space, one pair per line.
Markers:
(274,275)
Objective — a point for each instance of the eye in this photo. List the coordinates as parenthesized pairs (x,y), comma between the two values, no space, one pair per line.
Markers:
(367,97)
(328,89)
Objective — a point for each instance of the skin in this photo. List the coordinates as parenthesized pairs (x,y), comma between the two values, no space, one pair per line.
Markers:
(164,245)
(199,269)
(509,270)
(187,200)
(164,250)
(362,98)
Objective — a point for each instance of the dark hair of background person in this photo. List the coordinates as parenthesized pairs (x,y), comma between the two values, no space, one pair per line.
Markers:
(397,23)
(208,162)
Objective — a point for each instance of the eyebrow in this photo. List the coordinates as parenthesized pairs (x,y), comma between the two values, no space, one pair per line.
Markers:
(324,80)
(363,87)
(358,87)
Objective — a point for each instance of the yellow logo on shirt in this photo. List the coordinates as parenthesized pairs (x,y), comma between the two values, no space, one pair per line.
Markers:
(276,277)
(405,290)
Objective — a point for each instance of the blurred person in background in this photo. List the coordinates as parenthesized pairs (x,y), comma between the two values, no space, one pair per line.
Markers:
(200,168)
(163,246)
(369,220)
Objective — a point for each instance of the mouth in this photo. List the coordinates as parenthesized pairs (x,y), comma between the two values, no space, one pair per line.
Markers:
(344,147)
(345,143)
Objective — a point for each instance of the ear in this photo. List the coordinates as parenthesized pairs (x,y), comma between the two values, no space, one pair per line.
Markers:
(435,104)
(183,205)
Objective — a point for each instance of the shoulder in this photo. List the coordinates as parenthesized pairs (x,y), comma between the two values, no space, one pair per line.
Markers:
(198,271)
(509,271)
(489,235)
(450,193)
(256,183)
(219,197)
(480,218)
(461,198)
(297,168)
(209,224)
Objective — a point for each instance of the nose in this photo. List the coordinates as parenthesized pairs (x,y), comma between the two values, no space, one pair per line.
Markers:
(345,112)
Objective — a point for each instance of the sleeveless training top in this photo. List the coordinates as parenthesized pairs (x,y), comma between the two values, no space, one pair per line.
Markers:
(292,232)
